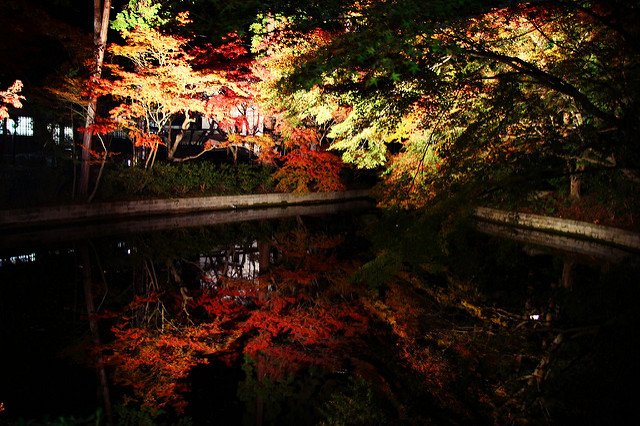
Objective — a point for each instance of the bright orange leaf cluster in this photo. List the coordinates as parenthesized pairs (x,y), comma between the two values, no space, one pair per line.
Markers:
(10,97)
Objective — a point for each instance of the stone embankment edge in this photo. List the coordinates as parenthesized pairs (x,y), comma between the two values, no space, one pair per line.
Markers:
(575,228)
(124,209)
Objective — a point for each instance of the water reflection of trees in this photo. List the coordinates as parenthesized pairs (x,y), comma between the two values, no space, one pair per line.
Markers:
(240,262)
(256,299)
(470,338)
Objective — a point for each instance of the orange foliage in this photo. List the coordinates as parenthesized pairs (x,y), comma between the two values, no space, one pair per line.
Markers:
(101,126)
(307,170)
(163,88)
(10,97)
(283,336)
(156,364)
(283,331)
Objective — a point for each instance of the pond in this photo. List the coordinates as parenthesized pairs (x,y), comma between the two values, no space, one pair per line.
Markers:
(203,320)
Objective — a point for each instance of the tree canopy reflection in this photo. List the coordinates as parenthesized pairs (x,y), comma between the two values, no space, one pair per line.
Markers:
(285,325)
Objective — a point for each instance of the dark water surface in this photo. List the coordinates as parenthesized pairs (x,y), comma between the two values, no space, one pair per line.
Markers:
(272,321)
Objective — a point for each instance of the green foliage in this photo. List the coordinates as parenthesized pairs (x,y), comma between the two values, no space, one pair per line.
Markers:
(141,14)
(184,179)
(377,272)
(421,241)
(473,91)
(363,145)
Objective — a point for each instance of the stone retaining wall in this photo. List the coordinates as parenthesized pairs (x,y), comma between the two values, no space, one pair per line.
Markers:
(98,211)
(586,230)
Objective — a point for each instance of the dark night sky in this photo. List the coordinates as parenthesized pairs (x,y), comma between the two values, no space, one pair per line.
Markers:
(75,12)
(38,37)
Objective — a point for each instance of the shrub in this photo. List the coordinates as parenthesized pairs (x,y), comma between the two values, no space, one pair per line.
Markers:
(184,179)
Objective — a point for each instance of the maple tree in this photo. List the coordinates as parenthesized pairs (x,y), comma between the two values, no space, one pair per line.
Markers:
(162,89)
(305,170)
(475,97)
(303,118)
(101,12)
(10,98)
(232,111)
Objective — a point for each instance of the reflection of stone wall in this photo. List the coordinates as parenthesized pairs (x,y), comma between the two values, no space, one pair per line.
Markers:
(574,228)
(145,208)
(26,237)
(563,243)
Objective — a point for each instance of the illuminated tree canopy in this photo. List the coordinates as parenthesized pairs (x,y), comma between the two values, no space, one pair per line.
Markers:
(447,105)
(435,96)
(464,92)
(161,88)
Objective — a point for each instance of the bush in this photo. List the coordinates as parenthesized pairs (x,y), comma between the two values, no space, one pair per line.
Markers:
(185,179)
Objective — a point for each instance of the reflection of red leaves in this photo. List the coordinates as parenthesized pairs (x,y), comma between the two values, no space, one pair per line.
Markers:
(142,300)
(283,331)
(219,305)
(154,366)
(299,277)
(155,363)
(290,341)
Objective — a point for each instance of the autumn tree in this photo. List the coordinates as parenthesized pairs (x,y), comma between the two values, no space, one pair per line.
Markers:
(101,11)
(294,135)
(157,89)
(303,118)
(232,111)
(440,99)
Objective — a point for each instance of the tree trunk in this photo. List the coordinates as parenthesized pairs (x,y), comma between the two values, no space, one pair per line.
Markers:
(172,148)
(5,139)
(87,281)
(264,256)
(100,27)
(575,185)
